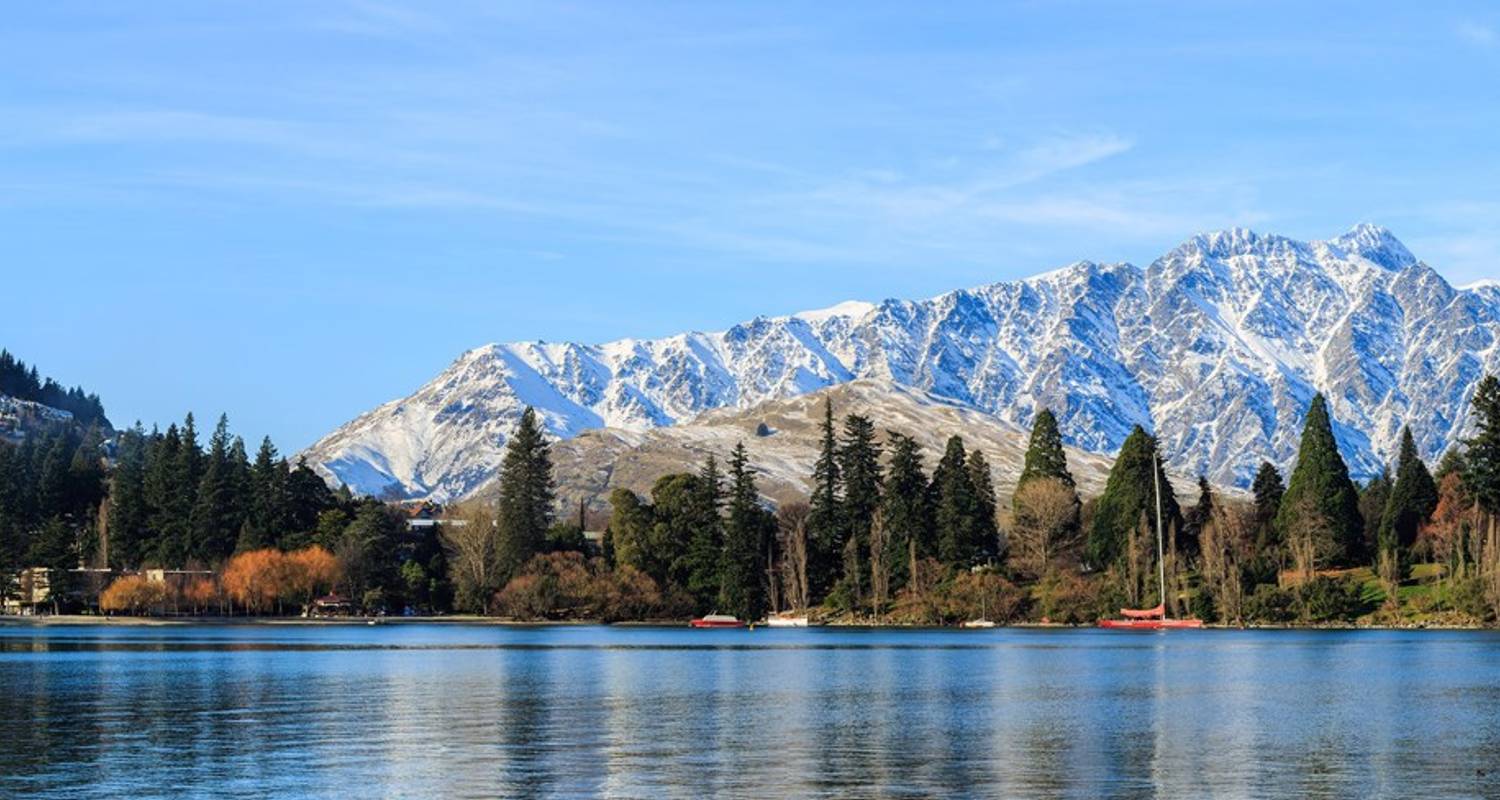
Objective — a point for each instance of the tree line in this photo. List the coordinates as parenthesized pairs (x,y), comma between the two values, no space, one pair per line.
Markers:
(25,383)
(881,536)
(74,504)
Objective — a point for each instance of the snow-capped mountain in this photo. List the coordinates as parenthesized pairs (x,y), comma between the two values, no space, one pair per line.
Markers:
(1217,347)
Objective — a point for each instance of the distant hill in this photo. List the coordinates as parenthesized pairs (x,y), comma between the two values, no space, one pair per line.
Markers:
(782,438)
(26,398)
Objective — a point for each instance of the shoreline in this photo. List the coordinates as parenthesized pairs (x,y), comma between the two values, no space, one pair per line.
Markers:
(81,620)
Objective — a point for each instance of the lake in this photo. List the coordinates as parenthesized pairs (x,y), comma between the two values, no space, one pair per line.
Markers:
(481,711)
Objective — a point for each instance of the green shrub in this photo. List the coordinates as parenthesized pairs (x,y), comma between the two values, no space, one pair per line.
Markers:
(1270,604)
(1203,606)
(1325,599)
(1466,596)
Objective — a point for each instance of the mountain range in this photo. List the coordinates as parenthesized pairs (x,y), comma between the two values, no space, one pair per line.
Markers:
(1216,347)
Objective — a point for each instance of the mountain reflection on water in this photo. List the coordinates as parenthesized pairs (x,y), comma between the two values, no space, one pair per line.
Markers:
(480,711)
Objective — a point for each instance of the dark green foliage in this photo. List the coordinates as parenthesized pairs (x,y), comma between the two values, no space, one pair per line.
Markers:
(1412,499)
(679,513)
(526,493)
(986,530)
(1325,599)
(565,537)
(23,383)
(1322,476)
(1270,604)
(1044,455)
(706,548)
(369,551)
(1268,489)
(1129,494)
(906,509)
(956,508)
(825,524)
(1453,460)
(1203,606)
(1194,519)
(748,531)
(630,524)
(218,513)
(859,469)
(266,512)
(1483,454)
(1374,496)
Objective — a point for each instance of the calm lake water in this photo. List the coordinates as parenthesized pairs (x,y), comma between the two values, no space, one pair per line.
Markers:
(483,711)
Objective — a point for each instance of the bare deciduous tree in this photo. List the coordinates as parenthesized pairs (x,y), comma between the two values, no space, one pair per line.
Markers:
(1044,525)
(880,571)
(1311,538)
(472,541)
(791,525)
(1226,541)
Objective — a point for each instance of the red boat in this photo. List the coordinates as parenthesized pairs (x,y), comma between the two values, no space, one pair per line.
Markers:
(1152,619)
(1148,619)
(717,621)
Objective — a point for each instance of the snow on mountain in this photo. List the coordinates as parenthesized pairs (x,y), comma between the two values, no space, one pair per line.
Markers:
(1216,346)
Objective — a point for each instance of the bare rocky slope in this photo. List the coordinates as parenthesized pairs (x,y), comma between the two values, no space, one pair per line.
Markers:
(782,440)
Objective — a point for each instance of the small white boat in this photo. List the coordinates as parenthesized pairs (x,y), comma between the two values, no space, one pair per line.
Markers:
(978,623)
(786,620)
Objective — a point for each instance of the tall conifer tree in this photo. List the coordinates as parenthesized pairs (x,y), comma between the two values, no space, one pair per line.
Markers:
(526,494)
(1322,475)
(906,510)
(1411,501)
(746,531)
(955,507)
(1129,496)
(859,468)
(1044,454)
(825,526)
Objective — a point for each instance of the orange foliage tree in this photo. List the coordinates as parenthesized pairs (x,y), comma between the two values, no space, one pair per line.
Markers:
(311,571)
(1446,535)
(256,579)
(202,594)
(260,580)
(133,594)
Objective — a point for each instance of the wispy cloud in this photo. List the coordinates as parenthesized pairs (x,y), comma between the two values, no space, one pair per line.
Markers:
(1478,33)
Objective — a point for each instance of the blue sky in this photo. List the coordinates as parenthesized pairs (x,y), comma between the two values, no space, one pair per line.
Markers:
(294,211)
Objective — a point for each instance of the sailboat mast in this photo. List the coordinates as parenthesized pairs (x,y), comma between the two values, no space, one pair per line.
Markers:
(1161,562)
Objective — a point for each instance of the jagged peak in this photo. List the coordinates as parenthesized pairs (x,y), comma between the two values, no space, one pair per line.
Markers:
(1230,242)
(1376,244)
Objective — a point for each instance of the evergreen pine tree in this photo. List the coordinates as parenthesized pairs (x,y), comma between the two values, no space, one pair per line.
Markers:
(267,500)
(1483,454)
(526,495)
(1321,475)
(167,498)
(1412,499)
(859,468)
(905,509)
(746,530)
(1268,489)
(1453,461)
(955,507)
(1374,496)
(986,531)
(1044,455)
(129,514)
(706,551)
(217,515)
(825,527)
(1129,496)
